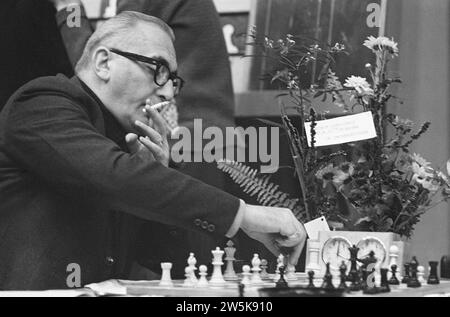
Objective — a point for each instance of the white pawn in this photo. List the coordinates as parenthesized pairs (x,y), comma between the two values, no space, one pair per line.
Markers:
(203,282)
(421,274)
(166,279)
(230,274)
(246,275)
(256,278)
(290,273)
(191,262)
(217,277)
(188,279)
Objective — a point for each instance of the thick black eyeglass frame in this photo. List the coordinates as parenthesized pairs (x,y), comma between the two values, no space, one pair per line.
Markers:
(177,80)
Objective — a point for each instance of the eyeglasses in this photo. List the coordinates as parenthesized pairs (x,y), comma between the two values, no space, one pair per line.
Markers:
(162,72)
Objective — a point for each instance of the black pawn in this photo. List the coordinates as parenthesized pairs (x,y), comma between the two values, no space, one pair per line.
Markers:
(394,280)
(384,285)
(343,270)
(413,280)
(311,279)
(406,277)
(433,277)
(328,279)
(281,281)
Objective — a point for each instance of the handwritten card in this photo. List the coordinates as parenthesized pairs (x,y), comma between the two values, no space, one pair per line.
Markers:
(340,130)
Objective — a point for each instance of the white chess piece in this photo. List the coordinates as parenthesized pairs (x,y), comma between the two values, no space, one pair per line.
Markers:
(280,262)
(192,261)
(203,282)
(313,257)
(166,279)
(246,275)
(393,255)
(290,273)
(421,274)
(256,278)
(230,274)
(216,277)
(188,279)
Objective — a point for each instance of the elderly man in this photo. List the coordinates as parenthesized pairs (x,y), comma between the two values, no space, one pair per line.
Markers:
(82,165)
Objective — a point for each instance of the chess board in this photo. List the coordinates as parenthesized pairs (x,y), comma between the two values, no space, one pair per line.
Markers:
(231,289)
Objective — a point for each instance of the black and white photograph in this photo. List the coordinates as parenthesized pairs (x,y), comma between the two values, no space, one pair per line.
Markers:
(235,151)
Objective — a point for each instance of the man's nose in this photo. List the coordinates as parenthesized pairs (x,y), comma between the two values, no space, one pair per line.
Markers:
(167,92)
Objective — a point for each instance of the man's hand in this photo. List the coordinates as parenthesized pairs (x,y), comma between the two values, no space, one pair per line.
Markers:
(277,229)
(62,4)
(154,136)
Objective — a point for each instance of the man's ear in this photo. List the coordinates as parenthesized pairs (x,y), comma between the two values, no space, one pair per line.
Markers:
(101,60)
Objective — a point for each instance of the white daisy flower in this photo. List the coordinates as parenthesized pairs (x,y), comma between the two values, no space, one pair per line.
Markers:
(360,84)
(380,43)
(420,160)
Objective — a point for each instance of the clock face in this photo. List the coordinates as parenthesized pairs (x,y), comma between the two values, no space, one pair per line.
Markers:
(372,244)
(335,250)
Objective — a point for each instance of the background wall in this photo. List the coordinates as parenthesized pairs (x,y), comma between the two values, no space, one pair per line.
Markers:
(422,29)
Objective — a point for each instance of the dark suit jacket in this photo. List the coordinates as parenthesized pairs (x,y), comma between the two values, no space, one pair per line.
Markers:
(70,194)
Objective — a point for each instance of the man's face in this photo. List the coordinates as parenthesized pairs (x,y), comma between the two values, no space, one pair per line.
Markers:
(132,83)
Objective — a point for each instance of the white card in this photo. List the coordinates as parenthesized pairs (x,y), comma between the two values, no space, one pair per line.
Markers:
(340,130)
(314,226)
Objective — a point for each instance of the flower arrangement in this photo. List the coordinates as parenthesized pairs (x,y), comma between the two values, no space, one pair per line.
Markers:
(370,185)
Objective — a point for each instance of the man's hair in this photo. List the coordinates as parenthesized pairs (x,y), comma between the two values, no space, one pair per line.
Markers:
(119,30)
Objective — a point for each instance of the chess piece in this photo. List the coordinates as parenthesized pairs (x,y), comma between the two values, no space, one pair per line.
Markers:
(203,282)
(166,279)
(188,280)
(445,266)
(192,261)
(393,280)
(343,276)
(433,277)
(311,279)
(421,274)
(413,280)
(281,281)
(217,277)
(264,265)
(246,275)
(290,273)
(353,275)
(280,263)
(393,255)
(368,280)
(230,274)
(256,278)
(406,277)
(384,285)
(328,279)
(313,256)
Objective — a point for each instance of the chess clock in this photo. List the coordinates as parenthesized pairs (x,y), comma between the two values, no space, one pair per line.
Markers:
(332,247)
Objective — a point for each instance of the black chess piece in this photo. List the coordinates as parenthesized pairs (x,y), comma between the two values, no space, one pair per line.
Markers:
(343,270)
(433,277)
(394,280)
(406,277)
(281,281)
(445,266)
(413,280)
(384,285)
(311,280)
(353,275)
(328,280)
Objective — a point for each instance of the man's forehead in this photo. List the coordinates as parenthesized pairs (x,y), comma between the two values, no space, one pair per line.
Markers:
(153,42)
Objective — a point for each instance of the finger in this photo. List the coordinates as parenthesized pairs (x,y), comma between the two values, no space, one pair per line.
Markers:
(132,142)
(295,254)
(154,148)
(149,132)
(158,120)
